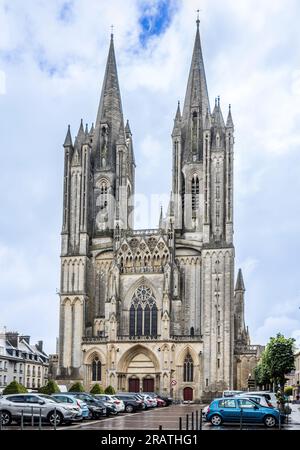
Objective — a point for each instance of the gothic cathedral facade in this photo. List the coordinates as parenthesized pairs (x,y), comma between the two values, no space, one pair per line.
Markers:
(152,310)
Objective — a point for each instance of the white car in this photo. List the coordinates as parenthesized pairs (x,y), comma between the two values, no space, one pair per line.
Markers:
(258,398)
(113,400)
(150,402)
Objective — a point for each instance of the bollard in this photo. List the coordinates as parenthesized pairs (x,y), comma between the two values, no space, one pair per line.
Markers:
(279,421)
(200,428)
(187,422)
(192,420)
(22,420)
(197,420)
(40,419)
(32,418)
(160,427)
(54,418)
(241,421)
(180,423)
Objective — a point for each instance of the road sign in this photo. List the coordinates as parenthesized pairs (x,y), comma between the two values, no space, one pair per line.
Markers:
(173,382)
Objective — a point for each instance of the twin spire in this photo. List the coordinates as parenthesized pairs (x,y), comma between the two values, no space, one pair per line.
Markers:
(110,109)
(197,98)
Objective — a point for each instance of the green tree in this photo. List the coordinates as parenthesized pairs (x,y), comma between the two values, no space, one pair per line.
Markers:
(14,388)
(76,387)
(97,389)
(50,388)
(280,360)
(261,372)
(110,390)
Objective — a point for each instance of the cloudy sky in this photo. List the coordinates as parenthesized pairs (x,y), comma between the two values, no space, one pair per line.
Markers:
(52,60)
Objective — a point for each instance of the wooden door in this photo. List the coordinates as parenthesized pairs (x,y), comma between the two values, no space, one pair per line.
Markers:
(134,385)
(148,385)
(187,394)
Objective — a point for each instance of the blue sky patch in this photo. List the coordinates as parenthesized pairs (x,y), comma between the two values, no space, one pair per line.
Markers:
(155,19)
(66,12)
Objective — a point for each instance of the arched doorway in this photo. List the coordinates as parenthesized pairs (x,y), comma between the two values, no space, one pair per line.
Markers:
(140,367)
(188,394)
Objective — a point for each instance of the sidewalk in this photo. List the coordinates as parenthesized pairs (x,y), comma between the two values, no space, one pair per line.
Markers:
(294,418)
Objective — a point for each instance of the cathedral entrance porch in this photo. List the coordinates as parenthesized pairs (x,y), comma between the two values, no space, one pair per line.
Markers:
(139,371)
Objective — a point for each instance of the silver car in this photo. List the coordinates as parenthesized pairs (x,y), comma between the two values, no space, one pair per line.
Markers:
(13,406)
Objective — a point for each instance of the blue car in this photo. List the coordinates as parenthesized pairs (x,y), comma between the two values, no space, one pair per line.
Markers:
(231,409)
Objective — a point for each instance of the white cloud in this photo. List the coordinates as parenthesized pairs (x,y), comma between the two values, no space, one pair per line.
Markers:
(251,53)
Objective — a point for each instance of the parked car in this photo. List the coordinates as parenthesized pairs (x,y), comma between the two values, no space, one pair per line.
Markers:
(230,409)
(168,400)
(112,399)
(149,401)
(139,397)
(96,407)
(52,411)
(70,399)
(160,402)
(231,393)
(258,398)
(270,396)
(132,402)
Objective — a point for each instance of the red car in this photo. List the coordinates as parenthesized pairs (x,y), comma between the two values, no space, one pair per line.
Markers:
(160,402)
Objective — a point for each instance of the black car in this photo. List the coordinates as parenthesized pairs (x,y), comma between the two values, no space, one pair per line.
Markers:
(96,407)
(131,401)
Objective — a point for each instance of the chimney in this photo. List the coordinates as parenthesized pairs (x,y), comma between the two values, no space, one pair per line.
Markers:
(39,346)
(13,338)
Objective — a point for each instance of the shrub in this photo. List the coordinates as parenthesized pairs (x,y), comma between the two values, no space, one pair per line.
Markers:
(77,387)
(288,390)
(97,389)
(14,388)
(110,390)
(50,388)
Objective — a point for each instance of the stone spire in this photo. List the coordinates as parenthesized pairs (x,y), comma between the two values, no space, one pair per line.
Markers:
(68,141)
(240,286)
(80,135)
(161,219)
(218,120)
(177,122)
(110,106)
(229,122)
(196,92)
(127,128)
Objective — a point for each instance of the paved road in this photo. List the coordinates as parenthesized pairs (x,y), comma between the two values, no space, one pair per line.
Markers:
(168,418)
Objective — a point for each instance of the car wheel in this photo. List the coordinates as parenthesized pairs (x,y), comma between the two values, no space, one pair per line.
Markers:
(90,416)
(52,418)
(5,418)
(270,421)
(129,408)
(216,420)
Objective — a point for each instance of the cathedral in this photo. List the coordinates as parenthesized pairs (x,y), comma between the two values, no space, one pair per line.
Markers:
(157,309)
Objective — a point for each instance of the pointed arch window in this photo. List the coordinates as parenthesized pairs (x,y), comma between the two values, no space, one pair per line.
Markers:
(188,369)
(96,369)
(143,313)
(195,193)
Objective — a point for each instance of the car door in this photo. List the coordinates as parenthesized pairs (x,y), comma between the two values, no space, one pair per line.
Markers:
(17,405)
(34,405)
(251,412)
(229,411)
